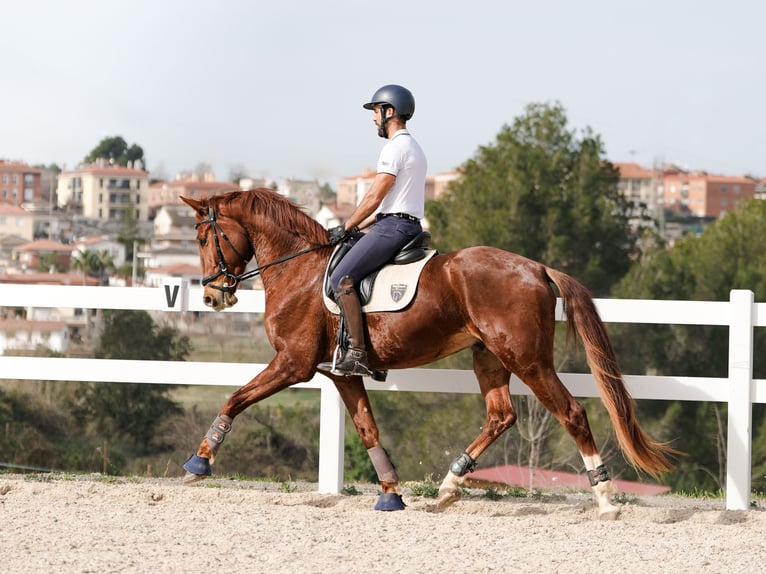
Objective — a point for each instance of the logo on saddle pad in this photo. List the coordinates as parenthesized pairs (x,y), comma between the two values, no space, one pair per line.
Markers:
(390,289)
(397,291)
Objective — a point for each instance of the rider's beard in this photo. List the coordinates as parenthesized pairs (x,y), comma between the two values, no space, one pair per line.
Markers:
(382,132)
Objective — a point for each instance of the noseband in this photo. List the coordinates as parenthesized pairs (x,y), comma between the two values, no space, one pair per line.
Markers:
(218,234)
(222,269)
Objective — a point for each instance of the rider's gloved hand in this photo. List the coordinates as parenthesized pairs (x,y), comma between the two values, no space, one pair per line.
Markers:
(337,234)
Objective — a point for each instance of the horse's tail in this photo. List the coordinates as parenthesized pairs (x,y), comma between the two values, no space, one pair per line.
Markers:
(582,317)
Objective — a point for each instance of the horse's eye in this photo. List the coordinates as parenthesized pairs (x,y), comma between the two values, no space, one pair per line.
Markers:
(202,241)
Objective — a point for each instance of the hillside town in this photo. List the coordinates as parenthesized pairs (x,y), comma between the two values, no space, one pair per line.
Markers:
(56,228)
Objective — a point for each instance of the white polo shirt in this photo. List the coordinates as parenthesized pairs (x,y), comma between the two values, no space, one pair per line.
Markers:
(403,158)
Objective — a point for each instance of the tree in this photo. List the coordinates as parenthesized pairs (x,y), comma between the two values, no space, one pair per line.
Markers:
(115,149)
(129,233)
(126,412)
(50,261)
(544,193)
(94,263)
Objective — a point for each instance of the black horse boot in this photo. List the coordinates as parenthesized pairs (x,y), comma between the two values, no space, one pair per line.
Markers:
(354,360)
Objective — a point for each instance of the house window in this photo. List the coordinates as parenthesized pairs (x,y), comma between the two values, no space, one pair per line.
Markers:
(29,178)
(5,178)
(29,194)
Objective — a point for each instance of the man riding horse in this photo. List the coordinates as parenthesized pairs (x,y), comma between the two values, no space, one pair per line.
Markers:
(392,208)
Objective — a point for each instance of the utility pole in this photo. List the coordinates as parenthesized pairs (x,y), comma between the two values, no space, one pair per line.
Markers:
(658,188)
(134,275)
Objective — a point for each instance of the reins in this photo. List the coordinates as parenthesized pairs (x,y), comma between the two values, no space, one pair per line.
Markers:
(223,270)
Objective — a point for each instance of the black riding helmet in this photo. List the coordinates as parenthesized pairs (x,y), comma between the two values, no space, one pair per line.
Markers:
(398,97)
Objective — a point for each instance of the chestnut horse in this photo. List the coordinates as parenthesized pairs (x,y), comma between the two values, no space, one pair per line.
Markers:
(499,304)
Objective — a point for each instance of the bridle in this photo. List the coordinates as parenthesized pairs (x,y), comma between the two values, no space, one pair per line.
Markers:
(218,234)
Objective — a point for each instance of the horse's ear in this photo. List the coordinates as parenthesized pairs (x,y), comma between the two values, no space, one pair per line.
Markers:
(197,206)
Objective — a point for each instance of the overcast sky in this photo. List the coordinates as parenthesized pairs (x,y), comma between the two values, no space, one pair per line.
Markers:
(275,87)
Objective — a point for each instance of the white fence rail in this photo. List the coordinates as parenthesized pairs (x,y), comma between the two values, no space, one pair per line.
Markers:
(739,390)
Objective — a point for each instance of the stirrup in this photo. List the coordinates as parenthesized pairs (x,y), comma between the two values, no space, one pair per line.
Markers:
(337,356)
(351,364)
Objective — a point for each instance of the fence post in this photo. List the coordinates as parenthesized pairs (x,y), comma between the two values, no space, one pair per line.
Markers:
(739,445)
(332,424)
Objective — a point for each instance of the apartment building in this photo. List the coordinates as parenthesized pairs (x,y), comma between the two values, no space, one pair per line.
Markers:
(35,256)
(186,185)
(437,184)
(638,184)
(104,191)
(19,183)
(16,221)
(701,194)
(684,193)
(760,188)
(303,192)
(352,189)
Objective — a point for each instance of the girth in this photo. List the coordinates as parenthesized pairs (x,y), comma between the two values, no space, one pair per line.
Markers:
(415,250)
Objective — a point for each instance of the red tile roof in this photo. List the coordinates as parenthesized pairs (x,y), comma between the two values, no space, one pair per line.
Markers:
(176,269)
(724,178)
(48,279)
(633,171)
(107,170)
(8,209)
(44,245)
(195,184)
(30,325)
(17,166)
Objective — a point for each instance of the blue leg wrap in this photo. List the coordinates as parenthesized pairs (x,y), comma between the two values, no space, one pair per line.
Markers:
(198,465)
(390,501)
(462,464)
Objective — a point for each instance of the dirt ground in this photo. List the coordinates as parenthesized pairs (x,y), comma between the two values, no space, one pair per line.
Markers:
(95,524)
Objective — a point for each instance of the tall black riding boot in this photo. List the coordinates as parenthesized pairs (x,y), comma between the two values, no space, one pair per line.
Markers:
(354,360)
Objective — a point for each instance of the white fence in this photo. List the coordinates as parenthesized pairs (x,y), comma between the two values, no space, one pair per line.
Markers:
(739,389)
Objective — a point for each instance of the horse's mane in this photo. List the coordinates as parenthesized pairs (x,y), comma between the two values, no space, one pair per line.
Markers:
(276,208)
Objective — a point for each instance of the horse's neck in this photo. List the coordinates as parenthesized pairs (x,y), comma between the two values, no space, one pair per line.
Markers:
(293,273)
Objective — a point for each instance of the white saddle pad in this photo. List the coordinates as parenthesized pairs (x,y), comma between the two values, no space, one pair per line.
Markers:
(394,288)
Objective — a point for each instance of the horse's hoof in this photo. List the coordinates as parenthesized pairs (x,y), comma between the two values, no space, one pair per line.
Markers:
(447,498)
(198,466)
(610,513)
(191,478)
(390,501)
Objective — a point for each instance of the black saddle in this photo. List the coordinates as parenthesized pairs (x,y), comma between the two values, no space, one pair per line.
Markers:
(415,250)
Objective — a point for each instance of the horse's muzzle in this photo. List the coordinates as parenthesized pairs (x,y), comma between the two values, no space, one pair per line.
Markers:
(218,299)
